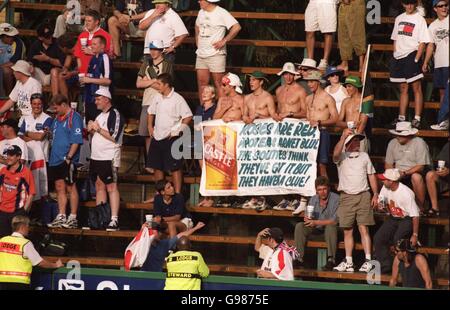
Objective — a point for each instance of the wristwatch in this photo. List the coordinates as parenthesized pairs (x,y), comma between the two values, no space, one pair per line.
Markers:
(416,234)
(69,158)
(291,114)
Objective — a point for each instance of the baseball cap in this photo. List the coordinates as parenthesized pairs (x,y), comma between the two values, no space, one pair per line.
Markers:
(103,91)
(233,80)
(13,150)
(390,174)
(156,45)
(8,29)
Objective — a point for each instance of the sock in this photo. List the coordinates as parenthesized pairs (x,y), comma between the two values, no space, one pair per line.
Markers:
(349,259)
(368,257)
(114,218)
(61,215)
(72,217)
(401,118)
(417,117)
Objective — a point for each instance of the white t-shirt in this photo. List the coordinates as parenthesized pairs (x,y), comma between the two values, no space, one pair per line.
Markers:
(165,28)
(439,36)
(278,262)
(353,169)
(169,112)
(21,94)
(212,28)
(31,124)
(409,31)
(401,201)
(102,148)
(6,143)
(29,251)
(338,96)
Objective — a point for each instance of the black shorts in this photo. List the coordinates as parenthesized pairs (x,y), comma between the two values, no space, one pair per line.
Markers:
(160,155)
(65,172)
(405,70)
(103,169)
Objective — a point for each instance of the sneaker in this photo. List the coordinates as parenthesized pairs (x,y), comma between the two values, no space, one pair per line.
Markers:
(113,226)
(323,64)
(71,223)
(301,207)
(58,221)
(441,126)
(282,205)
(329,265)
(366,267)
(261,204)
(293,205)
(250,204)
(393,124)
(415,123)
(344,267)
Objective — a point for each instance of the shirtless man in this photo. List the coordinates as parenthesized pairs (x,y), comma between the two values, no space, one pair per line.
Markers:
(290,96)
(230,107)
(321,112)
(260,103)
(350,115)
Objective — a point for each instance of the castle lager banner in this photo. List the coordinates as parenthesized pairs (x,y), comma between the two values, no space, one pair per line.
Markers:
(263,158)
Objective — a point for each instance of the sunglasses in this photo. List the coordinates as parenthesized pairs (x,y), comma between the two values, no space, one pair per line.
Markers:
(442,5)
(333,75)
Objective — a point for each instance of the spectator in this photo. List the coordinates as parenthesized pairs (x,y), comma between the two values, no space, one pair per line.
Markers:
(352,32)
(320,15)
(99,74)
(34,130)
(351,116)
(411,266)
(335,89)
(303,69)
(161,245)
(321,113)
(16,188)
(12,49)
(68,20)
(107,135)
(291,97)
(61,78)
(9,132)
(45,54)
(66,133)
(83,52)
(185,268)
(149,71)
(17,266)
(125,20)
(410,155)
(277,255)
(410,36)
(163,23)
(210,28)
(403,221)
(259,104)
(169,115)
(437,181)
(323,223)
(170,208)
(354,167)
(25,87)
(442,118)
(230,107)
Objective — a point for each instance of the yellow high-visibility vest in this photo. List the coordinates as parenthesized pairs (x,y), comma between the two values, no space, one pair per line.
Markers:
(185,269)
(13,266)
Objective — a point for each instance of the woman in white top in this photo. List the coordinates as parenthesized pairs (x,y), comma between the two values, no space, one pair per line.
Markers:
(335,89)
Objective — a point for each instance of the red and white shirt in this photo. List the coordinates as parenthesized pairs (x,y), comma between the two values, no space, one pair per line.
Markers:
(401,202)
(277,261)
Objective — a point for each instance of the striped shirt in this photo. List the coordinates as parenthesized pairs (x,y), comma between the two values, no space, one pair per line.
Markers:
(15,188)
(102,148)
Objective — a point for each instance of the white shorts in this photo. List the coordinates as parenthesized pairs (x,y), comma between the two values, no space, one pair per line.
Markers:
(214,63)
(188,222)
(43,78)
(321,16)
(136,32)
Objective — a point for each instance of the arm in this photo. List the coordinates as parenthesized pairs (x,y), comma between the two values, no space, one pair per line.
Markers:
(340,146)
(265,274)
(144,82)
(28,203)
(47,264)
(428,54)
(147,22)
(258,242)
(8,105)
(374,186)
(73,149)
(411,171)
(105,134)
(176,43)
(333,114)
(341,123)
(394,276)
(273,110)
(363,118)
(220,110)
(234,30)
(174,218)
(422,265)
(320,222)
(420,51)
(37,136)
(189,232)
(415,234)
(196,35)
(150,119)
(100,81)
(302,100)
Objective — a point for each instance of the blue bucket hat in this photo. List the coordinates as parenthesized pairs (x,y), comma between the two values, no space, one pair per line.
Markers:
(332,70)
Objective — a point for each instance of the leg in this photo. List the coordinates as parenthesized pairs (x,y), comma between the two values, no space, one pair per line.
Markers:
(345,48)
(301,234)
(404,230)
(310,42)
(365,239)
(331,239)
(404,99)
(158,176)
(431,179)
(419,189)
(443,110)
(63,89)
(114,30)
(217,78)
(382,242)
(54,80)
(418,97)
(202,81)
(328,40)
(60,26)
(348,241)
(177,177)
(74,199)
(60,187)
(323,170)
(100,192)
(114,198)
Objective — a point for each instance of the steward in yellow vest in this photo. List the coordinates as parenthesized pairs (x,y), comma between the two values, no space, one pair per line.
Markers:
(18,256)
(185,268)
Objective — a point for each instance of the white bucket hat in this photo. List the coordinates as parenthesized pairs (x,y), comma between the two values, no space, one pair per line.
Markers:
(288,67)
(233,80)
(8,29)
(404,129)
(23,67)
(308,63)
(350,138)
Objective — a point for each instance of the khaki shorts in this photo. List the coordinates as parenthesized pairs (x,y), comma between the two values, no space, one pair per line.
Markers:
(43,78)
(214,63)
(353,207)
(321,16)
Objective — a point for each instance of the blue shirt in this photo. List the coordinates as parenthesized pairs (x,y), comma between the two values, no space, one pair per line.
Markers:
(206,115)
(99,67)
(330,210)
(12,53)
(66,131)
(158,252)
(175,207)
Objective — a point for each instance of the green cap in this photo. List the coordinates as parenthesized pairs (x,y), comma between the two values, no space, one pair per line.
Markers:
(258,75)
(353,80)
(162,1)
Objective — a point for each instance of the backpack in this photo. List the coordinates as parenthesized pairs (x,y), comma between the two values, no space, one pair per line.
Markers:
(49,247)
(99,216)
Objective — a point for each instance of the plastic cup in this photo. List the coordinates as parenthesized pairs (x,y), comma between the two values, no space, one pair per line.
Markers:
(351,125)
(74,105)
(81,75)
(148,218)
(83,42)
(441,164)
(309,211)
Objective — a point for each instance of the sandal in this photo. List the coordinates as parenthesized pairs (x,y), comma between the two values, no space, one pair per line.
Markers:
(432,213)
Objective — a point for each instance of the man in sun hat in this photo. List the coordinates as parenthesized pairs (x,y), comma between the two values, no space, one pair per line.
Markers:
(260,103)
(410,155)
(321,112)
(356,176)
(290,96)
(26,85)
(350,115)
(230,107)
(12,49)
(403,221)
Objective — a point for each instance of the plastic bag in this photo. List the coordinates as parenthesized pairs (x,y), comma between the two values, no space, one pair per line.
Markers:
(137,251)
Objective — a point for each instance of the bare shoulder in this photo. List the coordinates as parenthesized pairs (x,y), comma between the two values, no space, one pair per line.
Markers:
(309,98)
(266,95)
(248,98)
(298,88)
(279,89)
